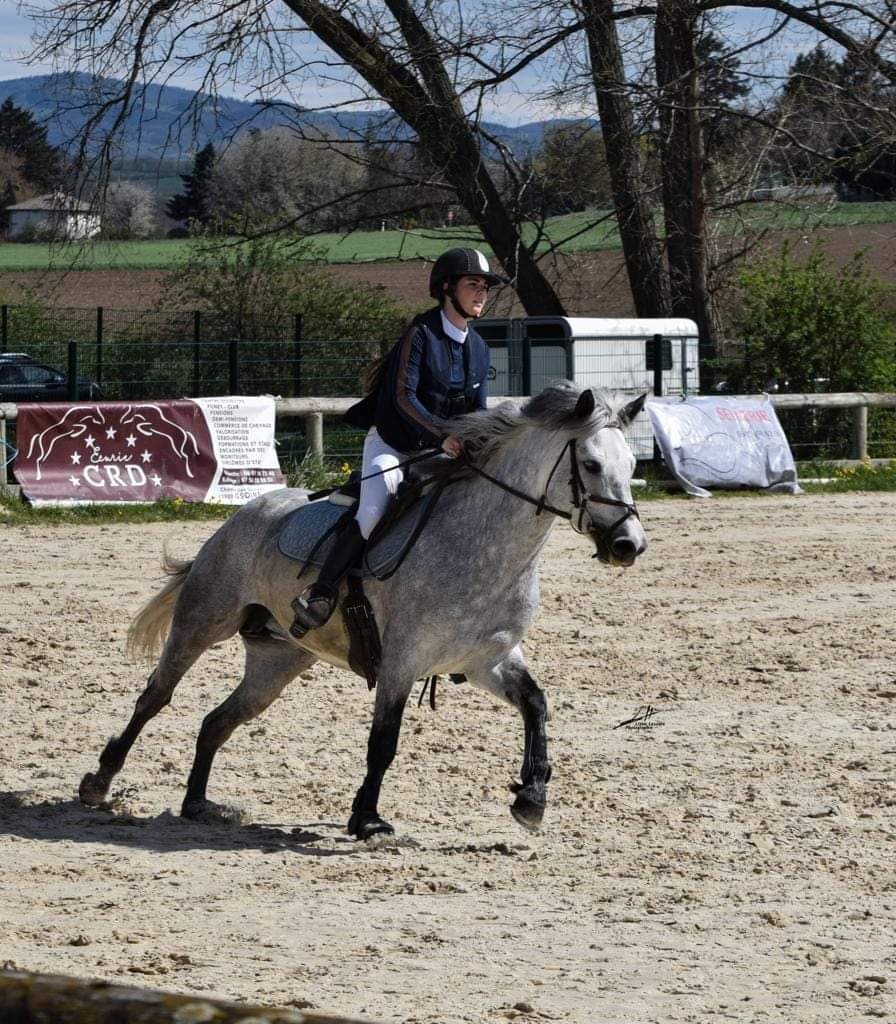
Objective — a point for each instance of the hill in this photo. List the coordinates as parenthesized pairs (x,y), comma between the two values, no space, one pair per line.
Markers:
(164,124)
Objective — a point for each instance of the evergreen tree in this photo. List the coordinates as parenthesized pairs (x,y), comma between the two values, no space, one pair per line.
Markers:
(8,198)
(811,109)
(26,139)
(195,202)
(865,157)
(722,86)
(572,171)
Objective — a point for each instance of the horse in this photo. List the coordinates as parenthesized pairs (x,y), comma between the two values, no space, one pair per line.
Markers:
(460,604)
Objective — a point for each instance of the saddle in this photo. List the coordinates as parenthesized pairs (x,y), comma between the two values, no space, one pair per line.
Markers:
(310,532)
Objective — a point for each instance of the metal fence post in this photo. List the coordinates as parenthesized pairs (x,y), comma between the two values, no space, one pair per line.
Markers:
(4,326)
(657,385)
(297,367)
(860,432)
(197,337)
(73,371)
(527,364)
(98,369)
(233,353)
(684,365)
(657,365)
(4,479)
(314,433)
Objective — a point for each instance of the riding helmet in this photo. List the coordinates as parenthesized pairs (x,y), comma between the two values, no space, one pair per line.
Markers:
(460,263)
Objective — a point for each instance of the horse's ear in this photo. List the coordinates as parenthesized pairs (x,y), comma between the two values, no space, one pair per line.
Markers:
(585,405)
(633,408)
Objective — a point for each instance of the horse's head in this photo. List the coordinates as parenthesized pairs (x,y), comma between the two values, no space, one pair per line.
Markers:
(587,481)
(601,465)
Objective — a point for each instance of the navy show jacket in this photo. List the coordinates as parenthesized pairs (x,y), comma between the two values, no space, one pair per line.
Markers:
(429,377)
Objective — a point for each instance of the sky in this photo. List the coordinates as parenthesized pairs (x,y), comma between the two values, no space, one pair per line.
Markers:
(15,33)
(512,107)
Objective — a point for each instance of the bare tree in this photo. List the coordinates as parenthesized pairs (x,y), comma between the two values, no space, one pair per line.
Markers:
(395,51)
(435,71)
(865,32)
(683,159)
(637,229)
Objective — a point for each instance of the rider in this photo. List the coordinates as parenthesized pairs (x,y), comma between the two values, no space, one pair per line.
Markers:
(437,370)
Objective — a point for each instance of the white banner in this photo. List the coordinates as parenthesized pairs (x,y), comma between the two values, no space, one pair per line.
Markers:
(723,443)
(242,431)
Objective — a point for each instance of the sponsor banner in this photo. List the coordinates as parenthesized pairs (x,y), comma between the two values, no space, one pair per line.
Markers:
(721,442)
(209,449)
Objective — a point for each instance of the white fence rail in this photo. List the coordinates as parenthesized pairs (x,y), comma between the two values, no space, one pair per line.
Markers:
(313,410)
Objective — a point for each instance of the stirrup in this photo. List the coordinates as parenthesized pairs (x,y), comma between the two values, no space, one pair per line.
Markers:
(312,608)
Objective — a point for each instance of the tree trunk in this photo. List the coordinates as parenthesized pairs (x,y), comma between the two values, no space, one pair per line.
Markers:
(637,230)
(422,94)
(681,147)
(37,998)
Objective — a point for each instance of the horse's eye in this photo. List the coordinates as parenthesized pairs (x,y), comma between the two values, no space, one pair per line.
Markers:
(592,466)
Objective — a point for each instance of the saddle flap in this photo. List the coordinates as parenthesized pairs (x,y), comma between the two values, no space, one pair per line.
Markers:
(308,534)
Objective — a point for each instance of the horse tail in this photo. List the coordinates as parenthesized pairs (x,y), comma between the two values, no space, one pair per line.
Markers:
(150,626)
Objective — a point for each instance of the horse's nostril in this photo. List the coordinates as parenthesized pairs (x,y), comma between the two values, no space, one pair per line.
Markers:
(623,547)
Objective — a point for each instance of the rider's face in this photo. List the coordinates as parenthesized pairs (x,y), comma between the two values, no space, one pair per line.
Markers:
(472,292)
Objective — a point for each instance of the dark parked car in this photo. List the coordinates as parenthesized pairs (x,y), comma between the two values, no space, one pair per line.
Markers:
(24,380)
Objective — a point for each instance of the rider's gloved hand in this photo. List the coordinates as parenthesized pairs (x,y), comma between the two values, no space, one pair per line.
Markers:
(453,446)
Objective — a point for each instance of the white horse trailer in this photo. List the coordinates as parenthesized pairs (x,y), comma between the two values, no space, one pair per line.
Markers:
(527,353)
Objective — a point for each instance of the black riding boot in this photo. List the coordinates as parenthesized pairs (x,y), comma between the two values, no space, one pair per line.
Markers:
(317,602)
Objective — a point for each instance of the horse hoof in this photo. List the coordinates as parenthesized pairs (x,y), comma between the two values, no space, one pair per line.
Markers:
(93,790)
(368,827)
(209,813)
(527,813)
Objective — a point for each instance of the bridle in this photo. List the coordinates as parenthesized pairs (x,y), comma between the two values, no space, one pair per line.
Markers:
(580,498)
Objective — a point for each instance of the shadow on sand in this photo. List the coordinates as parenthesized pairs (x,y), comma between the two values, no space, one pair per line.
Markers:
(23,815)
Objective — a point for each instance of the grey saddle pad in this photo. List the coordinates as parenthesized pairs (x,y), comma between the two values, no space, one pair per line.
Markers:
(300,535)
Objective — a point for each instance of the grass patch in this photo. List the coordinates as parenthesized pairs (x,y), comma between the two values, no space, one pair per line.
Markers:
(866,477)
(16,512)
(574,232)
(315,473)
(154,255)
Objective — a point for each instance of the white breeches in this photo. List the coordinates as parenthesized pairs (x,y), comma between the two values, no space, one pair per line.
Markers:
(376,492)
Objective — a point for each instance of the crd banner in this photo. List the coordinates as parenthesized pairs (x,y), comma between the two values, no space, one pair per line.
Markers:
(204,449)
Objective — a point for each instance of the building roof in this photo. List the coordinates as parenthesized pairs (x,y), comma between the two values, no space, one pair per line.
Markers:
(55,202)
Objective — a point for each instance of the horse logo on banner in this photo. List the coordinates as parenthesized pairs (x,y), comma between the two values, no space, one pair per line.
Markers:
(116,452)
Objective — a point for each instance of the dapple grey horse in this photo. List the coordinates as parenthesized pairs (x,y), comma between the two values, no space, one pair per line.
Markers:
(460,603)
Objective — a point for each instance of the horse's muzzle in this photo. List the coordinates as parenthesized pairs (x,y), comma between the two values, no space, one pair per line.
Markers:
(624,550)
(622,546)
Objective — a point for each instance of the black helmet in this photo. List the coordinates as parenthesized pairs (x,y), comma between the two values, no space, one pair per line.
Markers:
(460,263)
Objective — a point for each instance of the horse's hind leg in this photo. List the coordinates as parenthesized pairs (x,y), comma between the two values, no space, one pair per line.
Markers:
(271,663)
(512,681)
(184,645)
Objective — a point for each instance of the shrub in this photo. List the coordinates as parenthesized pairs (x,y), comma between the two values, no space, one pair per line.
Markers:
(808,327)
(257,286)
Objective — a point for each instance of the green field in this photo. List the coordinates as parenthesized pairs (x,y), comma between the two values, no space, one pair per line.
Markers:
(574,233)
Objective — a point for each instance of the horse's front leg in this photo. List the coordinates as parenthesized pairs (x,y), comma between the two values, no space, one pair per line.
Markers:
(511,681)
(382,744)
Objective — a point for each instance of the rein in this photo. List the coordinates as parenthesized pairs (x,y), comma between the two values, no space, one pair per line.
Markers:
(580,496)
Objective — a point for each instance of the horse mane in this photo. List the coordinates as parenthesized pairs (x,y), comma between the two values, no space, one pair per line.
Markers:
(487,433)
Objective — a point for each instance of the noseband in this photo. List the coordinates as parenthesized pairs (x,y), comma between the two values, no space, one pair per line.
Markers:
(580,497)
